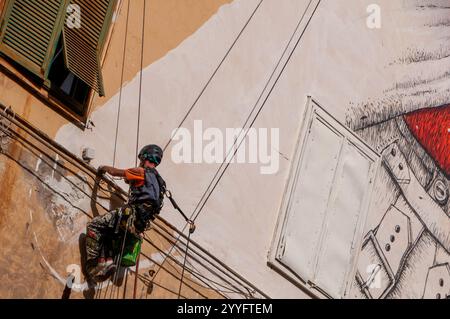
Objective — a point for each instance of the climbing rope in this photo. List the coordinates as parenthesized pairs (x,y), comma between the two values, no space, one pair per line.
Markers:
(144,14)
(191,230)
(192,227)
(120,255)
(195,103)
(140,79)
(195,272)
(175,205)
(105,288)
(121,82)
(189,111)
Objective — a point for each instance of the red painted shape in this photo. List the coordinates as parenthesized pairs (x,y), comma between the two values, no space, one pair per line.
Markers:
(431,127)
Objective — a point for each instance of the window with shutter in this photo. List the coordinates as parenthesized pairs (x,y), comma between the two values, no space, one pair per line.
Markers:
(84,45)
(30,31)
(66,56)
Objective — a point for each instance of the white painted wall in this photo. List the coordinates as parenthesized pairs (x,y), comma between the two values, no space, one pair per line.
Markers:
(339,61)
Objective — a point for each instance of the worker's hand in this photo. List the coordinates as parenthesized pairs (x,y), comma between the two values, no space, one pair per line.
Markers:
(191,226)
(101,170)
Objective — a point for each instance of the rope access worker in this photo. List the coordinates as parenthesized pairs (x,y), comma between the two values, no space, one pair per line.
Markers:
(147,189)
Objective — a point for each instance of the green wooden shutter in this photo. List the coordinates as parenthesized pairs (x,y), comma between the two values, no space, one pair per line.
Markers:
(30,31)
(83,46)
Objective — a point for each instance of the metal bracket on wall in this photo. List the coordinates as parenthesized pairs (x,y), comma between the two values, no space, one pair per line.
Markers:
(5,128)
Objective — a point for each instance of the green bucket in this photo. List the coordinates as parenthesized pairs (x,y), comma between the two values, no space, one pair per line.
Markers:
(131,251)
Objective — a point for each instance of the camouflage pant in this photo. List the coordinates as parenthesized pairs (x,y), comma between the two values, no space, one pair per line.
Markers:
(103,228)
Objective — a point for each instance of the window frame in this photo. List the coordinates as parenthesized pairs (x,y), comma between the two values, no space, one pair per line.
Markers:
(42,89)
(40,71)
(313,110)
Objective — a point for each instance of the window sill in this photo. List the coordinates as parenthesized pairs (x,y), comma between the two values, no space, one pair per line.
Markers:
(42,93)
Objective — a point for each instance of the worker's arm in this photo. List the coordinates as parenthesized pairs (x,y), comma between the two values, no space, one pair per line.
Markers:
(112,171)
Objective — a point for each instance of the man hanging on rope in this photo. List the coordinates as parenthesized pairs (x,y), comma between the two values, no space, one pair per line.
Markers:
(147,190)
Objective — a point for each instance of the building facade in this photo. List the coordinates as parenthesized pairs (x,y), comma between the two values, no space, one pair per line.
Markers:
(345,103)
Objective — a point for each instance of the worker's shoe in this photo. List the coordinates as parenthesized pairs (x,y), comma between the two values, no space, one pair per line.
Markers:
(104,269)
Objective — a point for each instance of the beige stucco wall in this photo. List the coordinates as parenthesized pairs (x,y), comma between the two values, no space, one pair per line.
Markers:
(41,227)
(353,71)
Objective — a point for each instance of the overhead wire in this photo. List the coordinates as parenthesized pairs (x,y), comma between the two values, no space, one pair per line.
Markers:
(146,282)
(140,91)
(172,241)
(257,114)
(193,270)
(196,273)
(253,13)
(212,260)
(85,212)
(112,287)
(206,86)
(206,195)
(106,291)
(170,273)
(24,141)
(111,292)
(161,253)
(178,263)
(214,73)
(207,282)
(56,192)
(60,150)
(184,265)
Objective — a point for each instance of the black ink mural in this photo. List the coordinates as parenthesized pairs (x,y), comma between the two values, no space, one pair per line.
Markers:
(405,253)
